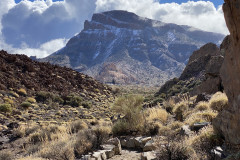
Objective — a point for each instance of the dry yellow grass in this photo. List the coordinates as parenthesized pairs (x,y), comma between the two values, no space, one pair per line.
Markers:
(219,101)
(200,116)
(201,106)
(155,114)
(180,109)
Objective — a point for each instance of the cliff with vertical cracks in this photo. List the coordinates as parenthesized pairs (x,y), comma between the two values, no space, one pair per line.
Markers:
(228,121)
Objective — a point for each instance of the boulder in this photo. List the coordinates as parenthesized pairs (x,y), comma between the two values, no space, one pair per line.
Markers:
(227,122)
(148,156)
(218,153)
(117,144)
(109,150)
(197,126)
(149,146)
(202,97)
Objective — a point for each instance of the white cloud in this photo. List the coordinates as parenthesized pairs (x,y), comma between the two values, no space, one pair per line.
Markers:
(34,28)
(44,50)
(201,14)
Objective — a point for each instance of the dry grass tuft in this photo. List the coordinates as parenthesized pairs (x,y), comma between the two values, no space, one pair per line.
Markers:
(180,109)
(202,106)
(219,101)
(155,114)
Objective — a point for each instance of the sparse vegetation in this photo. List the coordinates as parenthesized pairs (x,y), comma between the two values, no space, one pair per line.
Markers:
(5,108)
(25,105)
(219,101)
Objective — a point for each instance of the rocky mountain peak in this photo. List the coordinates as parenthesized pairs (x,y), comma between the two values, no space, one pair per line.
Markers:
(142,50)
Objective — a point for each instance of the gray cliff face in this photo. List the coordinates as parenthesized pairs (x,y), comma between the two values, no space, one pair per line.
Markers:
(142,50)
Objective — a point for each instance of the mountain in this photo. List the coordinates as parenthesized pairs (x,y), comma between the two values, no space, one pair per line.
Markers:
(121,47)
(20,72)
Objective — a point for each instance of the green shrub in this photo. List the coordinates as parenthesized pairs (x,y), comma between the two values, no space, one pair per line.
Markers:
(31,100)
(73,100)
(25,105)
(5,108)
(130,106)
(42,96)
(87,105)
(13,94)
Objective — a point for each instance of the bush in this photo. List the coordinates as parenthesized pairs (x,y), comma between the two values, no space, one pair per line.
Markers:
(169,105)
(58,150)
(13,94)
(179,110)
(84,143)
(130,106)
(42,96)
(77,126)
(73,100)
(176,151)
(25,105)
(205,141)
(31,100)
(87,105)
(22,92)
(219,101)
(201,106)
(6,155)
(157,113)
(5,108)
(199,117)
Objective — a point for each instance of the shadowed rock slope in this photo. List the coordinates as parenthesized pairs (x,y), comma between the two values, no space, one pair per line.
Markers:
(228,120)
(48,92)
(126,48)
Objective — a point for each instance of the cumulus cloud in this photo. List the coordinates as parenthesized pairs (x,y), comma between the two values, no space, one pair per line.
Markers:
(42,26)
(200,14)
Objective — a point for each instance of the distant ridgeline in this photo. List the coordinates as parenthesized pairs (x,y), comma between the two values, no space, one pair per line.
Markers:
(121,47)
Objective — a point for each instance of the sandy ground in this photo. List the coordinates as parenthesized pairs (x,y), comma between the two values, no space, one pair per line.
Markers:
(127,155)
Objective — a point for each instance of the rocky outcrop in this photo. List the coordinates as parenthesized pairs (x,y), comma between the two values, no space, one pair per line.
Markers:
(202,73)
(19,71)
(143,51)
(228,120)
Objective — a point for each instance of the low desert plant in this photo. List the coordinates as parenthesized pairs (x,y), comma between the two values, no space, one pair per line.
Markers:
(6,155)
(5,108)
(155,114)
(25,105)
(180,109)
(77,126)
(169,105)
(219,101)
(201,106)
(73,100)
(59,150)
(131,107)
(22,92)
(31,100)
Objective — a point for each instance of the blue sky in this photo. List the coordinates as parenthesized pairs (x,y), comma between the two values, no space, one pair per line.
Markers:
(216,2)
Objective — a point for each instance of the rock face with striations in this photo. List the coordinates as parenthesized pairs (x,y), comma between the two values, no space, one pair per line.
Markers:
(228,120)
(126,48)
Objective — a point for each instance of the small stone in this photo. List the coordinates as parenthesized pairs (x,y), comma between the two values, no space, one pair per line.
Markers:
(185,131)
(131,143)
(117,144)
(109,150)
(148,156)
(150,146)
(198,126)
(124,143)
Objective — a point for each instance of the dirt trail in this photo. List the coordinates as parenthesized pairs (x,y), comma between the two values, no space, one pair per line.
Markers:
(127,155)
